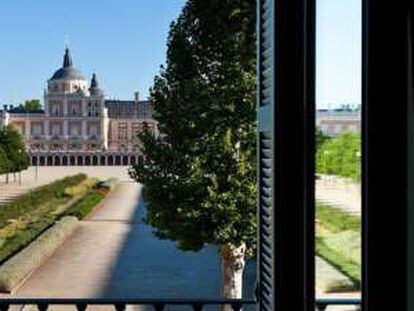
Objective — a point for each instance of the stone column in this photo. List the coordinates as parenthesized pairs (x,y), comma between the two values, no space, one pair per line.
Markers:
(65,107)
(27,128)
(65,128)
(46,130)
(84,129)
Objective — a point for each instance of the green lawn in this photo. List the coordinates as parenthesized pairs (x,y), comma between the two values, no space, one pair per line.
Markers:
(338,240)
(29,215)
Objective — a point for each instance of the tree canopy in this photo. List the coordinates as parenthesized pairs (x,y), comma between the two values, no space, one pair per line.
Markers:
(200,174)
(12,144)
(32,105)
(341,156)
(4,162)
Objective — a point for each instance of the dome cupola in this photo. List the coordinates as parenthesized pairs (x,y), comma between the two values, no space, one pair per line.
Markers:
(67,72)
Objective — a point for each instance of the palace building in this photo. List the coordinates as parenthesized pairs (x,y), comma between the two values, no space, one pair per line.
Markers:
(78,126)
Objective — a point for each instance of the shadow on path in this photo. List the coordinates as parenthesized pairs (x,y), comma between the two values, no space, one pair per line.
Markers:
(147,267)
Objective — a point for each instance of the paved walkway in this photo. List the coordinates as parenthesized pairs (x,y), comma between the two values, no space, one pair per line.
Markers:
(340,193)
(83,265)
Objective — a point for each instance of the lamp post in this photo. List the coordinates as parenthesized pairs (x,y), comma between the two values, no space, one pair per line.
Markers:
(37,166)
(20,163)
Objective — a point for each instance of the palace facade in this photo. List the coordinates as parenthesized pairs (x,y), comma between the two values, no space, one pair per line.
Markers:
(78,126)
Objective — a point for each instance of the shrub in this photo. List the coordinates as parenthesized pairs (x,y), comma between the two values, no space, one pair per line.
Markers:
(84,206)
(13,271)
(340,156)
(24,219)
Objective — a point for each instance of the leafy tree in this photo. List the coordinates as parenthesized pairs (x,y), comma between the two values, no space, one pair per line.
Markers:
(200,174)
(14,147)
(4,162)
(321,138)
(32,105)
(341,156)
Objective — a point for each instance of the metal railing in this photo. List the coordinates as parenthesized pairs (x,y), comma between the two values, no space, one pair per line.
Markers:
(43,304)
(323,304)
(82,304)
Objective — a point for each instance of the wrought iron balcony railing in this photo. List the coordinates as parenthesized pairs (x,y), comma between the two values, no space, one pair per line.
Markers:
(43,304)
(323,304)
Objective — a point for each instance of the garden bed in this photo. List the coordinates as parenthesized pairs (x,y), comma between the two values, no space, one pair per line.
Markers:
(338,241)
(24,219)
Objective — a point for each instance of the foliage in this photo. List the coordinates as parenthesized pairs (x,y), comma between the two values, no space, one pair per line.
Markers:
(82,188)
(82,208)
(338,240)
(14,147)
(4,161)
(321,138)
(336,220)
(340,156)
(32,105)
(200,176)
(24,219)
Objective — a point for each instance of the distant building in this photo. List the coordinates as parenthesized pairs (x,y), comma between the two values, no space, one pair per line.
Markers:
(78,125)
(333,122)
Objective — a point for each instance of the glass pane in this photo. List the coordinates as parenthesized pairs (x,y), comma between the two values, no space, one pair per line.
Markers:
(338,154)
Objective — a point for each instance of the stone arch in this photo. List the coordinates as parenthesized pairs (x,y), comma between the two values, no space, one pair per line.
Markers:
(56,160)
(125,160)
(49,161)
(80,160)
(95,160)
(42,161)
(111,160)
(117,160)
(87,160)
(133,160)
(34,161)
(102,160)
(72,160)
(65,160)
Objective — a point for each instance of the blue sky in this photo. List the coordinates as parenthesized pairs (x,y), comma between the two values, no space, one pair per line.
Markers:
(124,41)
(338,52)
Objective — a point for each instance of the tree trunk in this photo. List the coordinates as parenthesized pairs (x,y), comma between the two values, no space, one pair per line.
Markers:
(7,178)
(232,266)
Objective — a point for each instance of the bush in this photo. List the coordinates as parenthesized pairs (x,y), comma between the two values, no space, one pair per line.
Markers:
(14,270)
(84,206)
(24,219)
(39,199)
(340,156)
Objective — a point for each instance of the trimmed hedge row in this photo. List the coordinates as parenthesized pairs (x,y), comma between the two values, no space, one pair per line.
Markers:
(85,205)
(24,219)
(39,198)
(13,271)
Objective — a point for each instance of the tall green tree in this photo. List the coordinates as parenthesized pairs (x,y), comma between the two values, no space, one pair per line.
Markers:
(4,161)
(200,174)
(32,105)
(321,137)
(14,147)
(341,156)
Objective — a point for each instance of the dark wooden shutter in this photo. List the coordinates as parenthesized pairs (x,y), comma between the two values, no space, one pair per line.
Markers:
(286,109)
(266,90)
(387,156)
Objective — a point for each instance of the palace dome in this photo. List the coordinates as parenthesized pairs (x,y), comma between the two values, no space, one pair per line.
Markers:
(67,72)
